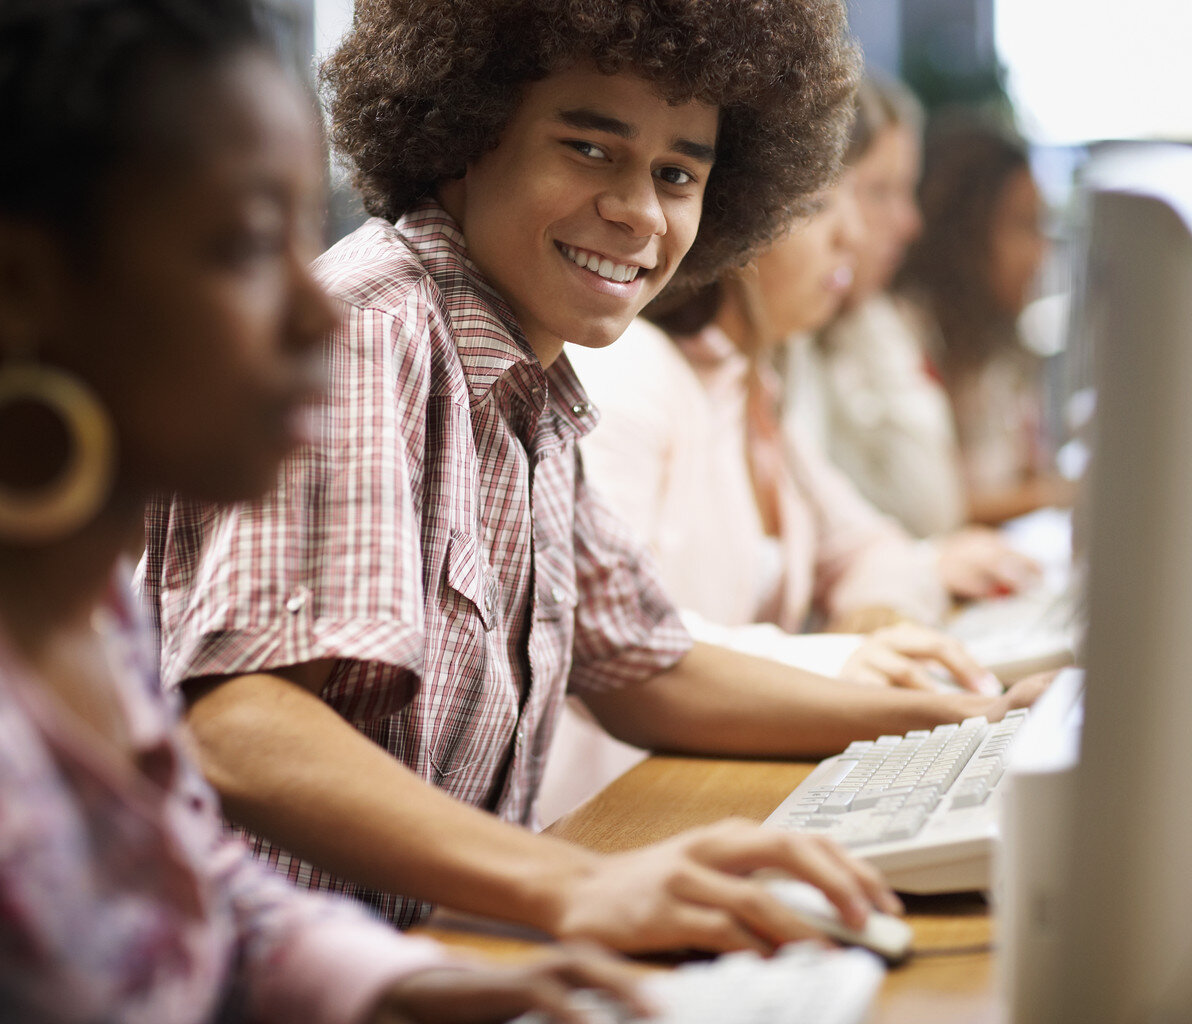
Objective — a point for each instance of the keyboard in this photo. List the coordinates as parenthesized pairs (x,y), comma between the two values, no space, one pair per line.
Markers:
(803,983)
(921,807)
(1034,631)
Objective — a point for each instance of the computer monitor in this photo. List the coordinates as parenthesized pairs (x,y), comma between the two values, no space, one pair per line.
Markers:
(1124,924)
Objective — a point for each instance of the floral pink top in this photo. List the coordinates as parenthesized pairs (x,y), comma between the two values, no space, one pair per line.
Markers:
(122,900)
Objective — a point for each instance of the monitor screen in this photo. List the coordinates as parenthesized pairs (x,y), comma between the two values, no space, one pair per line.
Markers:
(1125,924)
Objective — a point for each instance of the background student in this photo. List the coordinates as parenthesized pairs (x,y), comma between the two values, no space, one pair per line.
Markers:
(863,388)
(968,277)
(864,391)
(376,654)
(159,328)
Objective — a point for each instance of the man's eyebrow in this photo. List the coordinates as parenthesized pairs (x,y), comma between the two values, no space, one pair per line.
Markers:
(585,119)
(589,120)
(700,151)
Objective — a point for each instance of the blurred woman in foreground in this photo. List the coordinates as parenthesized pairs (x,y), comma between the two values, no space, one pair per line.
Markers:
(158,331)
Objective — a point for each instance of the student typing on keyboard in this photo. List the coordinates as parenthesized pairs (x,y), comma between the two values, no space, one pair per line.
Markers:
(375,655)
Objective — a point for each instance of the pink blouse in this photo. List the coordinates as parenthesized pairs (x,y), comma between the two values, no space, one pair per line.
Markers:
(122,900)
(670,455)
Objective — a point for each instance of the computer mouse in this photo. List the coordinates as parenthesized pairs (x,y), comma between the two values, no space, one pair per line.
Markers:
(887,936)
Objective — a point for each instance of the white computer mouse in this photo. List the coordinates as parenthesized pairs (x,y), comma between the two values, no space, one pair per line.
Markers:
(887,936)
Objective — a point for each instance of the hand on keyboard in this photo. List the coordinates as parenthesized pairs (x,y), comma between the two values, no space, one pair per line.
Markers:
(909,655)
(477,994)
(976,562)
(1021,695)
(690,892)
(801,984)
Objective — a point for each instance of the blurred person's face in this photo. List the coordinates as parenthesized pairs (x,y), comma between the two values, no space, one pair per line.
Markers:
(587,205)
(886,176)
(195,318)
(1017,244)
(805,275)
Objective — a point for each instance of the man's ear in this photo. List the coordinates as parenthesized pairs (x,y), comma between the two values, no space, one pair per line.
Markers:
(33,271)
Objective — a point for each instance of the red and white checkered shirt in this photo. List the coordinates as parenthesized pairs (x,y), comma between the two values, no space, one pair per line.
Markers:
(439,541)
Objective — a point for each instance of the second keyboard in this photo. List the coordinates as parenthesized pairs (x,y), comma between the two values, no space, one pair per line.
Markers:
(921,807)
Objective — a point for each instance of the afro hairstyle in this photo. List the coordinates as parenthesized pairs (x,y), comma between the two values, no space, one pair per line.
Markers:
(420,88)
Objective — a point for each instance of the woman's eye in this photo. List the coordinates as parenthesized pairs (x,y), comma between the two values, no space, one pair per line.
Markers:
(587,149)
(674,176)
(240,248)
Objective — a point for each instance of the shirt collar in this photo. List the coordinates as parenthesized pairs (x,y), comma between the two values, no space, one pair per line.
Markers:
(487,335)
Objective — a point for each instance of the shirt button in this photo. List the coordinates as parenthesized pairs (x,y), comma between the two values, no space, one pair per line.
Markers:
(581,408)
(557,595)
(297,599)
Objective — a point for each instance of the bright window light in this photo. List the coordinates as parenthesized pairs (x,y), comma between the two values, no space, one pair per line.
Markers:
(332,19)
(1083,70)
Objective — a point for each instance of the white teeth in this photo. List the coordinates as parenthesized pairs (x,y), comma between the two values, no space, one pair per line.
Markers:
(606,268)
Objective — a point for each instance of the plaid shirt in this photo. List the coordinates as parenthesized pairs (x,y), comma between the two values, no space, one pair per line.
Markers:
(440,541)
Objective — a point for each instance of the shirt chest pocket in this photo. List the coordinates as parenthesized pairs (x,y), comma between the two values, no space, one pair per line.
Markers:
(469,576)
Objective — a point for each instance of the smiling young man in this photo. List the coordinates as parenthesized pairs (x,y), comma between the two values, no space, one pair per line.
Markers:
(433,574)
(588,204)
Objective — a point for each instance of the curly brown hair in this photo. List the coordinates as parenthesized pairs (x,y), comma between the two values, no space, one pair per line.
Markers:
(419,88)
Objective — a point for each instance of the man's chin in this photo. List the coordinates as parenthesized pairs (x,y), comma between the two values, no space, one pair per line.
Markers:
(601,338)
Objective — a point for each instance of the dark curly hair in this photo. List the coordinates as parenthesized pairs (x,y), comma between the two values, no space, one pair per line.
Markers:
(967,161)
(419,88)
(73,78)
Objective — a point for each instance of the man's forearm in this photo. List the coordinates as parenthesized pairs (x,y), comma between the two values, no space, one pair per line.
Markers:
(717,701)
(290,768)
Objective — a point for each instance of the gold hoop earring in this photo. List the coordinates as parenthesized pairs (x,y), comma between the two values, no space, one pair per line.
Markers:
(55,509)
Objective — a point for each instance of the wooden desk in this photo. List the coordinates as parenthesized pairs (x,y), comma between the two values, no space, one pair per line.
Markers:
(665,795)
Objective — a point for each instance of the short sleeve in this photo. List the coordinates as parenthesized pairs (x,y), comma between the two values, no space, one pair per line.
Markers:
(328,565)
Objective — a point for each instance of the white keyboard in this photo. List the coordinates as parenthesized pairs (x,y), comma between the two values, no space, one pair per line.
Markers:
(921,807)
(1033,631)
(803,983)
